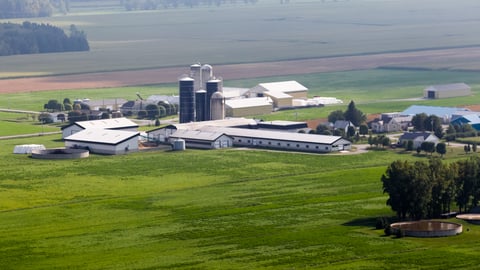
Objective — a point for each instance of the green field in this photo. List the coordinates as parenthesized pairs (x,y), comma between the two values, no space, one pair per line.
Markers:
(266,31)
(228,209)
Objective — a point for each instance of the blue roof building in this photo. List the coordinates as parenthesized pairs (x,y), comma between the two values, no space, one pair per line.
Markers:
(444,113)
(471,119)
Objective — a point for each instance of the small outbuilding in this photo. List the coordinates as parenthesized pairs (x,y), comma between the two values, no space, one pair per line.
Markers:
(202,139)
(447,91)
(104,141)
(27,148)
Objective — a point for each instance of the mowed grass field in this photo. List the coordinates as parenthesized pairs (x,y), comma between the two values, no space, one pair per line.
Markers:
(266,31)
(227,209)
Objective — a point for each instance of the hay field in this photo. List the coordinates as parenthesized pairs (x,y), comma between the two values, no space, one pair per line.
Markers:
(263,32)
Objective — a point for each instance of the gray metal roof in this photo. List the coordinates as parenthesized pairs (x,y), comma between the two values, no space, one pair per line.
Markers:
(102,136)
(449,87)
(196,135)
(275,135)
(248,102)
(227,122)
(285,87)
(113,123)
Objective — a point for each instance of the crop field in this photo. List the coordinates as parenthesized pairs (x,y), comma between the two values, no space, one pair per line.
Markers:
(230,209)
(266,31)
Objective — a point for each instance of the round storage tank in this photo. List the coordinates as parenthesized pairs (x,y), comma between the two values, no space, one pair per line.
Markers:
(187,100)
(179,145)
(200,105)
(217,106)
(207,74)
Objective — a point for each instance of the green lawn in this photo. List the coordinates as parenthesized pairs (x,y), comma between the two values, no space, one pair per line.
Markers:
(227,209)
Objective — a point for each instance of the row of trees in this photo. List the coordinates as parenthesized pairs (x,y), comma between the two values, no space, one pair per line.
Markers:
(427,189)
(156,4)
(31,8)
(30,38)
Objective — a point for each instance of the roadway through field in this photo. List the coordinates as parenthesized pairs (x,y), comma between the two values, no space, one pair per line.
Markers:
(239,71)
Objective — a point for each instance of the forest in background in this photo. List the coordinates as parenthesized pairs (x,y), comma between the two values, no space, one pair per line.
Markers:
(30,38)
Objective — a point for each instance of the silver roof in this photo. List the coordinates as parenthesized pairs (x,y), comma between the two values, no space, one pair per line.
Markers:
(275,135)
(196,135)
(103,136)
(112,123)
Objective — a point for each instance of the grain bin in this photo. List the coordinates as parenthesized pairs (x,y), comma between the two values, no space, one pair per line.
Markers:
(187,100)
(207,74)
(196,74)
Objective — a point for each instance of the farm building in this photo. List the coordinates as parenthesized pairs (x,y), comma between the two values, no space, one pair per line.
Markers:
(470,119)
(248,106)
(287,141)
(418,138)
(292,88)
(104,141)
(280,99)
(202,139)
(282,125)
(162,134)
(444,113)
(447,91)
(113,124)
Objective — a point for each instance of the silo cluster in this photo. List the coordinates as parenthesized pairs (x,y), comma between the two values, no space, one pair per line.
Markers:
(201,97)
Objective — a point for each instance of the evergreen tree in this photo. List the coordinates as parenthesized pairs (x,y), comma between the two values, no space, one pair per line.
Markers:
(354,115)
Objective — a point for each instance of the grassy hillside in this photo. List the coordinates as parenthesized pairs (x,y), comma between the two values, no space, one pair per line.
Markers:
(229,209)
(266,31)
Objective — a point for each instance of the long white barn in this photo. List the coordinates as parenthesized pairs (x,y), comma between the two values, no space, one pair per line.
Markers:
(112,124)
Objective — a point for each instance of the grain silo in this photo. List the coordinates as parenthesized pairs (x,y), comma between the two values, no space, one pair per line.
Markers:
(207,74)
(212,87)
(217,106)
(187,100)
(200,105)
(195,73)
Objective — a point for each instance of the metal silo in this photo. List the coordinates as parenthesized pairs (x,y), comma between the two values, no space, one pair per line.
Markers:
(207,75)
(200,105)
(187,100)
(217,105)
(212,87)
(196,74)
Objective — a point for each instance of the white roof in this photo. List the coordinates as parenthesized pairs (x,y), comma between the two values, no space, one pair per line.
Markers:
(449,87)
(275,135)
(113,123)
(285,87)
(234,92)
(197,135)
(248,102)
(102,136)
(227,122)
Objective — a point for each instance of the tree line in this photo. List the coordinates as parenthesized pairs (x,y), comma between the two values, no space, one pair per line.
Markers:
(157,4)
(428,189)
(31,38)
(31,8)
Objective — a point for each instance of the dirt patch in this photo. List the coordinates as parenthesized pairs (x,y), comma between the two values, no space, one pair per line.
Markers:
(234,71)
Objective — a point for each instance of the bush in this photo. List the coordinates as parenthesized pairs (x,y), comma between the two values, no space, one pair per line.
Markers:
(387,230)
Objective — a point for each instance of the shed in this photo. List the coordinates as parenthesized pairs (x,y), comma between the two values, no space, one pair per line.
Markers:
(248,106)
(27,148)
(447,90)
(202,139)
(470,119)
(104,141)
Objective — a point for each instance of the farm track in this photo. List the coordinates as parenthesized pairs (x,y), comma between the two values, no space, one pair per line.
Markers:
(413,59)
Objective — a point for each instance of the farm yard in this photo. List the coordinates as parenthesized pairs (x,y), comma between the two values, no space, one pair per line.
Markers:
(232,209)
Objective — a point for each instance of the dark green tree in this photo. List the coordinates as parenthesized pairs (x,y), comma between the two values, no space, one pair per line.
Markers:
(418,121)
(152,111)
(335,116)
(363,129)
(354,115)
(441,148)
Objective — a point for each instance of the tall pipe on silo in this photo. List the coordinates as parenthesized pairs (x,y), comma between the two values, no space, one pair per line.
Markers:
(187,100)
(217,106)
(200,105)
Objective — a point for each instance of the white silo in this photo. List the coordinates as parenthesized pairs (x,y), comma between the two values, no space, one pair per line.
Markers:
(196,74)
(217,106)
(207,74)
